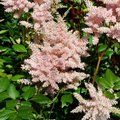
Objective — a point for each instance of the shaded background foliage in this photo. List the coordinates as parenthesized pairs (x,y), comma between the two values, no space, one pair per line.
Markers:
(19,102)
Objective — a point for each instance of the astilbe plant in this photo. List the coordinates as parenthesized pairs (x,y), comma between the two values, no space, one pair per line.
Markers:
(59,51)
(101,19)
(98,107)
(41,13)
(17,6)
(56,52)
(54,60)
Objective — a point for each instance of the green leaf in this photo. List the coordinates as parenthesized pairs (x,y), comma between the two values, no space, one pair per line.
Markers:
(24,89)
(78,90)
(81,90)
(117,85)
(16,77)
(103,83)
(5,39)
(109,95)
(90,39)
(2,74)
(2,49)
(4,118)
(109,52)
(26,103)
(11,104)
(25,112)
(4,83)
(7,59)
(29,93)
(9,76)
(14,116)
(110,77)
(2,61)
(3,96)
(19,48)
(3,31)
(77,1)
(102,48)
(41,99)
(118,94)
(66,99)
(12,92)
(12,40)
(4,114)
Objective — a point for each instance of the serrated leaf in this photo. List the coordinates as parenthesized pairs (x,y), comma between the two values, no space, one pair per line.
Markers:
(117,86)
(25,112)
(16,77)
(5,39)
(102,48)
(109,53)
(29,93)
(109,95)
(3,96)
(14,116)
(11,104)
(12,92)
(4,118)
(103,83)
(24,89)
(4,114)
(19,48)
(4,83)
(110,77)
(66,99)
(41,99)
(26,103)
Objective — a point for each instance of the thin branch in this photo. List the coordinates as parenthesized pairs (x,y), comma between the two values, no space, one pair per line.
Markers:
(53,101)
(98,65)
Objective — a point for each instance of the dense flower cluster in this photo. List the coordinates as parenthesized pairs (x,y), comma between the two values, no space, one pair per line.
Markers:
(17,6)
(103,19)
(56,52)
(98,107)
(59,51)
(55,59)
(41,14)
(41,11)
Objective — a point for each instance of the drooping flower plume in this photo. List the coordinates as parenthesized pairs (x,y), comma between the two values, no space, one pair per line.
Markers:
(17,6)
(54,61)
(102,19)
(41,13)
(98,107)
(58,53)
